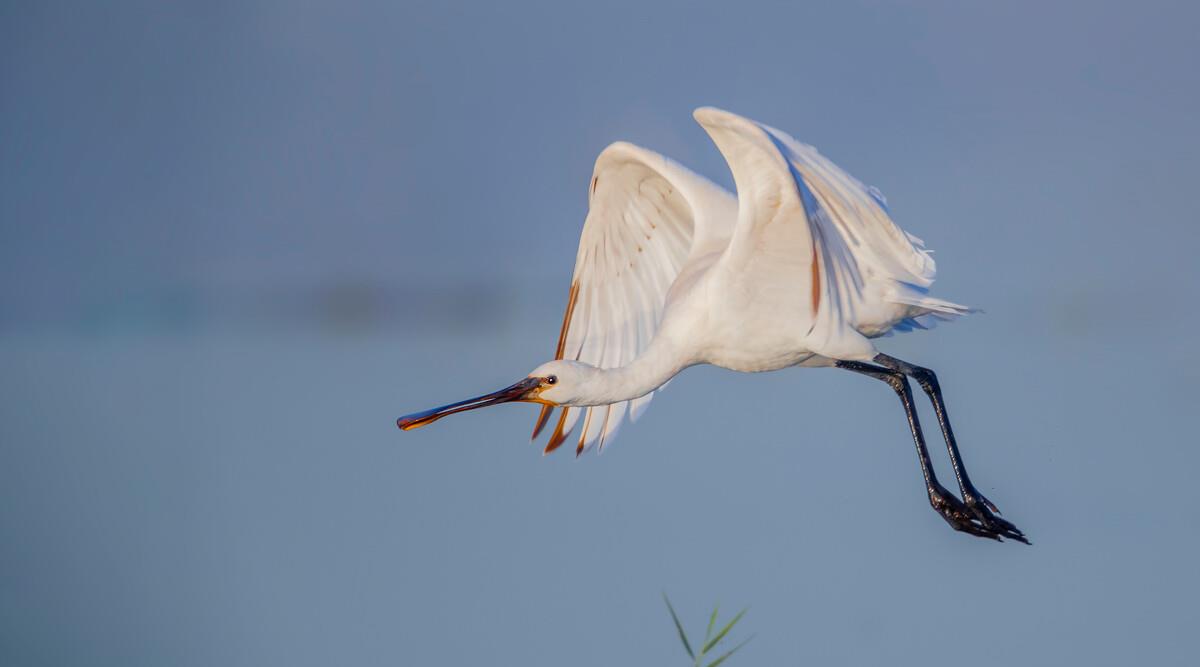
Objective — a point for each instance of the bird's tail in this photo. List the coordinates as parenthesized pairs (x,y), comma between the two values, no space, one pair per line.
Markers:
(926,311)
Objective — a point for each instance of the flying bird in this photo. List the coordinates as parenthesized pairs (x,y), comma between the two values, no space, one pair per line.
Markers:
(804,267)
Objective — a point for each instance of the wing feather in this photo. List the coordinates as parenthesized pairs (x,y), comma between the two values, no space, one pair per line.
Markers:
(647,216)
(824,229)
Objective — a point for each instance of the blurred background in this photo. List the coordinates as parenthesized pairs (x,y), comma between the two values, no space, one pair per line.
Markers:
(237,239)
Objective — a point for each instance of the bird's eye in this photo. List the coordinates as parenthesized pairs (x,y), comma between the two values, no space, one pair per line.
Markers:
(551,379)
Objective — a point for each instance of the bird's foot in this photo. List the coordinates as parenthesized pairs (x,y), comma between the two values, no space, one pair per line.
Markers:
(983,510)
(973,516)
(972,496)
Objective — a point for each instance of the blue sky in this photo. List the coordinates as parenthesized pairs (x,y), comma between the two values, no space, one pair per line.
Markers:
(238,239)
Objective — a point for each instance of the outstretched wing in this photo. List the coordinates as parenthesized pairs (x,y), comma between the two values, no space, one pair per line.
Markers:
(804,220)
(647,217)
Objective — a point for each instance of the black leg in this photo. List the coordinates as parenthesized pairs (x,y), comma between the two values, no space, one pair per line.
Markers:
(959,516)
(976,501)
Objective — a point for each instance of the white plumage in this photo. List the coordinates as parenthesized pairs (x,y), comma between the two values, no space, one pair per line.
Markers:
(801,232)
(803,268)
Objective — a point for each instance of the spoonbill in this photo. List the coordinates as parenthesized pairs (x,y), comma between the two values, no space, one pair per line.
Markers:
(804,267)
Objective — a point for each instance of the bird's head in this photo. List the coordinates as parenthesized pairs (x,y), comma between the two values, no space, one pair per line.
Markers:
(554,383)
(567,381)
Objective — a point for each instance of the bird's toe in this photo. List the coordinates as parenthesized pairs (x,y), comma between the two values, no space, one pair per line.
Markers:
(973,518)
(982,510)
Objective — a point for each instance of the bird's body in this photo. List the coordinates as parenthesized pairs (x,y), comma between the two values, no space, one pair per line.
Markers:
(804,267)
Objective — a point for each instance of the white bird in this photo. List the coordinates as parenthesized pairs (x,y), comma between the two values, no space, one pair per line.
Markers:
(804,267)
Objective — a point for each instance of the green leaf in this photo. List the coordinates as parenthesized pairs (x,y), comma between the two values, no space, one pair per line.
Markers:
(679,626)
(724,631)
(730,652)
(712,620)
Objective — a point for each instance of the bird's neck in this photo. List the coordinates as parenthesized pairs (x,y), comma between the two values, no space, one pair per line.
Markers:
(643,375)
